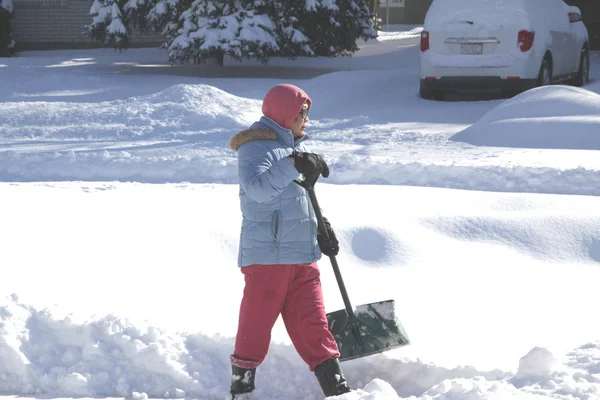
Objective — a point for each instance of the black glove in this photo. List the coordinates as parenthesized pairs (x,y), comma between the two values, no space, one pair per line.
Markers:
(311,165)
(328,245)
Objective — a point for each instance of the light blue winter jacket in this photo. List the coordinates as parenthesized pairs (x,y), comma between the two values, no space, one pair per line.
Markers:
(279,225)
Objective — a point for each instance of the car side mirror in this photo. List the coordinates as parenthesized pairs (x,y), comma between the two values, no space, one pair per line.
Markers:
(574,17)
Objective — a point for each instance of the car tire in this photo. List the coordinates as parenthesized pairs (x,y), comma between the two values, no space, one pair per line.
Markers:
(583,76)
(431,94)
(426,94)
(508,94)
(545,75)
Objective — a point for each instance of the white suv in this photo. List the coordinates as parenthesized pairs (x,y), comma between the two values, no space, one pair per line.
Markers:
(501,45)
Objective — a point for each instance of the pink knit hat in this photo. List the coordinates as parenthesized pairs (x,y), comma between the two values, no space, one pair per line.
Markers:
(283,103)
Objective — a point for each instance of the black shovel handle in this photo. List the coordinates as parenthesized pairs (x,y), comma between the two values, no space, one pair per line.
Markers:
(334,264)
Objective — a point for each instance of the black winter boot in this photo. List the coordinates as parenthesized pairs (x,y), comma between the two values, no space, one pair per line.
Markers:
(242,381)
(330,377)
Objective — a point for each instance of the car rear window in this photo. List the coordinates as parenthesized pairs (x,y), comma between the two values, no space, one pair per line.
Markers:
(484,13)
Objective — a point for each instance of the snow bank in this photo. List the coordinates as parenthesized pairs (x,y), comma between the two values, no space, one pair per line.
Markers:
(400,31)
(132,161)
(179,111)
(110,357)
(551,117)
(106,357)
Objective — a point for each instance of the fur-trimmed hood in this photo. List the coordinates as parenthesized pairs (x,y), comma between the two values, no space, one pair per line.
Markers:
(251,134)
(265,129)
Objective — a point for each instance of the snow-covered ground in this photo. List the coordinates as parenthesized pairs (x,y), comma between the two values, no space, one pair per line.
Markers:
(120,220)
(101,115)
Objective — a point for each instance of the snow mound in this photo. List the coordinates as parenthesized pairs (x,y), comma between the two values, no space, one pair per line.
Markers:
(550,117)
(538,364)
(541,374)
(174,113)
(209,101)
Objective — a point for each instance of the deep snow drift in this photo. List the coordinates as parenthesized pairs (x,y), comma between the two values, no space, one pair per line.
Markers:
(561,117)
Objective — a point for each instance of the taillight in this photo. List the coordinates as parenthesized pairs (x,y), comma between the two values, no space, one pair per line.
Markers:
(525,41)
(424,41)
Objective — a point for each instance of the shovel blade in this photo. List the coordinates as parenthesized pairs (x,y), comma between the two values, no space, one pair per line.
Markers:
(374,330)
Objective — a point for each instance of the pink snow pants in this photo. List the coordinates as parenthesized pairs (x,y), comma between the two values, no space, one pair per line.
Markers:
(294,291)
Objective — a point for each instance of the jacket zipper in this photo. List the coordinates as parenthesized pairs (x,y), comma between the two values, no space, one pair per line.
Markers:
(276,226)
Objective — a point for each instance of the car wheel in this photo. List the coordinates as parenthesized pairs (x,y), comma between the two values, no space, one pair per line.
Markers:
(508,94)
(583,76)
(431,94)
(426,94)
(545,75)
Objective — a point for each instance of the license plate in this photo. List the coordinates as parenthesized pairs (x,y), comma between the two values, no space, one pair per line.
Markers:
(469,48)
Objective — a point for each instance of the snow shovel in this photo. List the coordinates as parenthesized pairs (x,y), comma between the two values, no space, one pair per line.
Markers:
(368,329)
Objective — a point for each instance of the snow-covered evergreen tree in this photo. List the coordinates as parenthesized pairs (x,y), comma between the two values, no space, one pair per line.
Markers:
(108,23)
(256,34)
(286,15)
(376,21)
(216,28)
(6,5)
(196,30)
(197,34)
(333,27)
(159,16)
(113,20)
(7,44)
(356,22)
